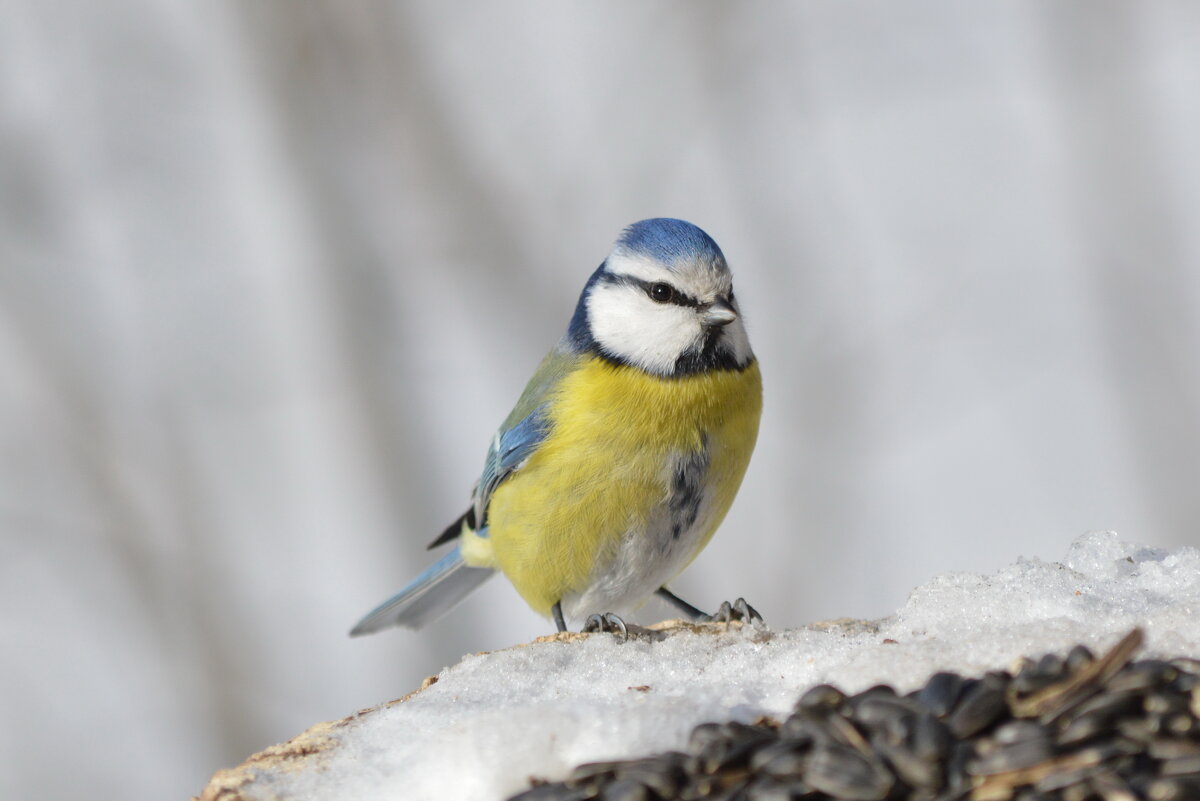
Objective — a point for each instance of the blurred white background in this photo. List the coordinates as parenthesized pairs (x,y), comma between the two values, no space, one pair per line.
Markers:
(272,272)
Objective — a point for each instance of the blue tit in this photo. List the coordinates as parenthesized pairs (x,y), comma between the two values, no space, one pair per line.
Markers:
(623,453)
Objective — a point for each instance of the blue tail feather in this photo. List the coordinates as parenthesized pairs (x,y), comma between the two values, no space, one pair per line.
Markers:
(429,596)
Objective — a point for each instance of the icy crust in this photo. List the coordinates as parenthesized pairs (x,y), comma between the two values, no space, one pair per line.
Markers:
(494,720)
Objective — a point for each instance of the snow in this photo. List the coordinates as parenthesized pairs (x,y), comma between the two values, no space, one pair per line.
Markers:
(494,720)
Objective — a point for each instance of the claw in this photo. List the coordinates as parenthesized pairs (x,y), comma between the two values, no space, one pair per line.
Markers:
(606,622)
(720,616)
(746,612)
(738,610)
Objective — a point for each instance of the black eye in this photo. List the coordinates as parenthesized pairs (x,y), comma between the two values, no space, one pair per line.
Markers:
(661,293)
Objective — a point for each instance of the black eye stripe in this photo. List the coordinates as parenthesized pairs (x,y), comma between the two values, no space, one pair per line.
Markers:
(678,297)
(683,299)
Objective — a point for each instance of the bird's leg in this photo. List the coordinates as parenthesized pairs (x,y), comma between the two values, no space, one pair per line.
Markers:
(738,610)
(556,610)
(679,603)
(609,622)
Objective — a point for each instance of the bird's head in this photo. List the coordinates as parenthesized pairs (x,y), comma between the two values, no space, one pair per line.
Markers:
(663,302)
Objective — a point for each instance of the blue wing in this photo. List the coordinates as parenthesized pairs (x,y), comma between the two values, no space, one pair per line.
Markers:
(526,428)
(509,450)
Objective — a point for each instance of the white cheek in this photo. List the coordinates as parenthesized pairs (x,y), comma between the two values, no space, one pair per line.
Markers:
(631,326)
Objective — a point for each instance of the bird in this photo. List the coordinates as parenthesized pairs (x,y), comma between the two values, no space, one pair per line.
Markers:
(623,453)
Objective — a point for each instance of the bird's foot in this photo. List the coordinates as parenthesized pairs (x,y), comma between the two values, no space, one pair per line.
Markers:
(606,622)
(739,610)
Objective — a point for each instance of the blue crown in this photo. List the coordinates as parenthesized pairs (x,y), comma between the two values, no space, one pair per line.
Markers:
(667,240)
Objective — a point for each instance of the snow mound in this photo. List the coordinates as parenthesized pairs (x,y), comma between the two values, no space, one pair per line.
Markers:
(494,720)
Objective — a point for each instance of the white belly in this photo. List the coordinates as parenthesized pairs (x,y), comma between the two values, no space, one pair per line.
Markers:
(648,558)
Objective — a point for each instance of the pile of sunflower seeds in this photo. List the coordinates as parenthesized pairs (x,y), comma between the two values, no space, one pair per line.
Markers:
(1078,728)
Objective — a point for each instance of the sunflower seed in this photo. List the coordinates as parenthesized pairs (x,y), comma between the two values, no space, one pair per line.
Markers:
(1075,728)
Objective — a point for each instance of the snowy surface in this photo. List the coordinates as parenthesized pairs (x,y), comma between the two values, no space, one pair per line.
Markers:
(494,720)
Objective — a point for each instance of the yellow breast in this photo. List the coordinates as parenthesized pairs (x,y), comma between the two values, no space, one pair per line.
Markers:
(603,470)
